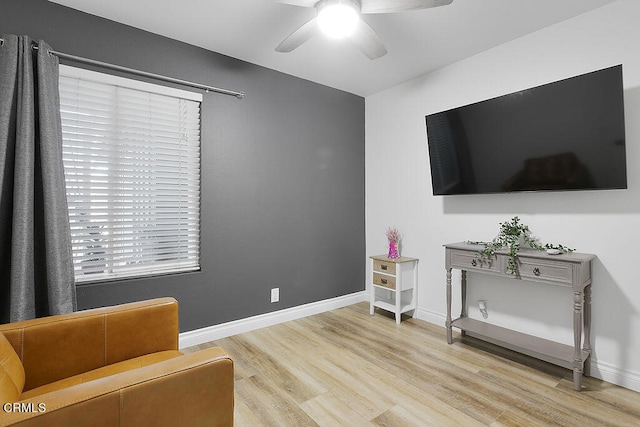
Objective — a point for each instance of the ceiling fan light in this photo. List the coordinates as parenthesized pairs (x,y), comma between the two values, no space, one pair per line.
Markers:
(338,19)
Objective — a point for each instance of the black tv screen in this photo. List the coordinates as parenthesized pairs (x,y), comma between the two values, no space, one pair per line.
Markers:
(566,135)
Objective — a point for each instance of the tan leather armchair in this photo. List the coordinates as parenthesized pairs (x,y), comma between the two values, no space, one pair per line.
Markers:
(112,366)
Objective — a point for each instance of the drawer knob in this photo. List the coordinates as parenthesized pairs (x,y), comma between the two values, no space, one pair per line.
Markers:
(536,271)
(474,262)
(383,281)
(383,267)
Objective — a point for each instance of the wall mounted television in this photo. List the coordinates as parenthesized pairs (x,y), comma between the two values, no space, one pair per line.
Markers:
(565,135)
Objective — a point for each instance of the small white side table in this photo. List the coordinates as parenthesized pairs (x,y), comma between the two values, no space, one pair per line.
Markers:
(394,284)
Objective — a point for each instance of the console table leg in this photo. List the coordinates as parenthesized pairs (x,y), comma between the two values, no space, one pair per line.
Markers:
(587,329)
(463,294)
(577,338)
(448,321)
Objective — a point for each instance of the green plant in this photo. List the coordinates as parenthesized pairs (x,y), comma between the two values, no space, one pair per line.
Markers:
(510,236)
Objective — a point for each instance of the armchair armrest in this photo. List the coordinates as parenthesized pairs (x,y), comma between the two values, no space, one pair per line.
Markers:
(56,347)
(195,389)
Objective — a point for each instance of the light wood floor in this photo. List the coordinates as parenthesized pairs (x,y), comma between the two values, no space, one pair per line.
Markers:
(347,368)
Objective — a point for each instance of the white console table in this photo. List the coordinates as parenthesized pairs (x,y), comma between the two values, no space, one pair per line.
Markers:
(572,270)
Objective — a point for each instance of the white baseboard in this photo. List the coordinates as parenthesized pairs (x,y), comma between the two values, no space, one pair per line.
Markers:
(215,332)
(615,375)
(430,316)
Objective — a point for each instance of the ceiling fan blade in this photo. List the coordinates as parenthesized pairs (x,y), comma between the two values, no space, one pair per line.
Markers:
(298,37)
(390,6)
(365,39)
(303,3)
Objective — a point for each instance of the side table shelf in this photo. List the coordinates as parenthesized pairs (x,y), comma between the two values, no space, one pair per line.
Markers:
(394,284)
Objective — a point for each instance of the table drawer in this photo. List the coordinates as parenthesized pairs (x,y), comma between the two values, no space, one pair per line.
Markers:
(384,267)
(468,260)
(384,280)
(548,271)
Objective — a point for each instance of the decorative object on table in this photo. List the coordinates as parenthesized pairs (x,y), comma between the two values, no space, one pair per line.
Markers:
(512,235)
(394,237)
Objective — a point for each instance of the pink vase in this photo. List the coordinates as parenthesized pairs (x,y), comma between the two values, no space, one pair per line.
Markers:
(393,250)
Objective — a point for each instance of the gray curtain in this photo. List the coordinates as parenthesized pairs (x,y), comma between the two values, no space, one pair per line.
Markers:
(36,270)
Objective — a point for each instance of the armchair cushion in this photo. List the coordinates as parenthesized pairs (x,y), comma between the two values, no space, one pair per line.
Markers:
(11,372)
(103,372)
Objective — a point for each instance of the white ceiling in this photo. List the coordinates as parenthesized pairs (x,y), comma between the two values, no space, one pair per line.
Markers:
(417,41)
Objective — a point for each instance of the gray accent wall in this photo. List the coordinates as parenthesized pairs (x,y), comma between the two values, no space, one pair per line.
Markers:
(282,174)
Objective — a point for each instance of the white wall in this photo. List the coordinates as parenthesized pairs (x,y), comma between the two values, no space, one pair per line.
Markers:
(604,223)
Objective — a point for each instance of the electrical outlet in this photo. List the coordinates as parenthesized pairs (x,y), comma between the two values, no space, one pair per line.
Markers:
(275,294)
(482,306)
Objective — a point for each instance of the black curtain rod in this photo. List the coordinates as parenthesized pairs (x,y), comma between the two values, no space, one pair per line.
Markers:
(80,59)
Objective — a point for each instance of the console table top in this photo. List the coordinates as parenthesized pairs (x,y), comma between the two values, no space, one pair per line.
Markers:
(576,257)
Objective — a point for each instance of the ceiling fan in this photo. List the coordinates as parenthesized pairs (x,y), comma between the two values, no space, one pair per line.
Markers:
(341,19)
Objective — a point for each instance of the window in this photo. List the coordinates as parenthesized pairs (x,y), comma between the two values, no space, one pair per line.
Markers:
(131,153)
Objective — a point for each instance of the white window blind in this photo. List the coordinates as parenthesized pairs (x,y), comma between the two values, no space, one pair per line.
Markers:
(131,153)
